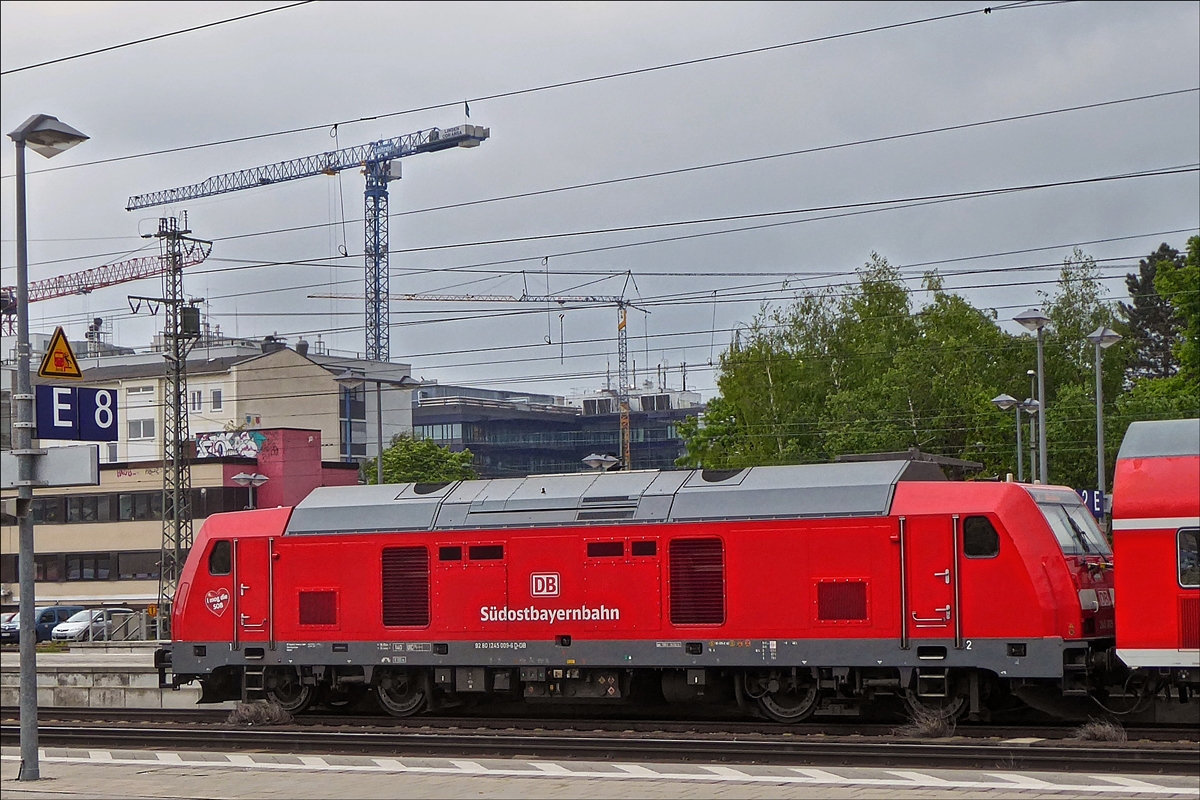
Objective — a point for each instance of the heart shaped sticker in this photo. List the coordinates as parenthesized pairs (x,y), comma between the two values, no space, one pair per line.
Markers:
(217,601)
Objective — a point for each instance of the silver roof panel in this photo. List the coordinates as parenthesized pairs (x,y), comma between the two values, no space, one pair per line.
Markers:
(1167,437)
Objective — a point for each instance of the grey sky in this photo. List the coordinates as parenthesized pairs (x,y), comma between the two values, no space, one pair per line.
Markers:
(326,62)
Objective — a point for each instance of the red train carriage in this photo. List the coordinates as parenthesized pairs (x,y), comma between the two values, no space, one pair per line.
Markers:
(788,587)
(1156,523)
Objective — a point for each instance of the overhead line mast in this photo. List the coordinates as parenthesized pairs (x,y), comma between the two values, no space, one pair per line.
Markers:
(375,159)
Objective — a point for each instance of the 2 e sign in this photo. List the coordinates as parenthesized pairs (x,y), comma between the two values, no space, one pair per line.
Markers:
(64,412)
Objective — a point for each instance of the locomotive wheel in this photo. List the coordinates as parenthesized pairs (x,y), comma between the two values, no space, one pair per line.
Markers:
(795,700)
(401,693)
(952,707)
(285,690)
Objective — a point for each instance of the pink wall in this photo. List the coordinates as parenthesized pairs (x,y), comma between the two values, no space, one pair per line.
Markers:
(291,460)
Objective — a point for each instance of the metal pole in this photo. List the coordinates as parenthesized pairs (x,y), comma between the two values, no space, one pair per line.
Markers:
(1033,473)
(1043,468)
(379,432)
(23,444)
(1020,450)
(1099,426)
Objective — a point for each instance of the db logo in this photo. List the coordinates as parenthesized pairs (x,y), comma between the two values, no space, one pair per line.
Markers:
(543,584)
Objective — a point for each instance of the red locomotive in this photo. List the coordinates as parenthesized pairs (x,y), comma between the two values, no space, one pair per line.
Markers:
(1156,525)
(789,587)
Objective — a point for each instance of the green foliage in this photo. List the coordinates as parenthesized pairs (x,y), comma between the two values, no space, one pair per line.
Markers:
(411,460)
(870,370)
(1150,318)
(1181,285)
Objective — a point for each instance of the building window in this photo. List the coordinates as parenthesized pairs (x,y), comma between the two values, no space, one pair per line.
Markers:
(8,568)
(47,568)
(138,566)
(139,506)
(141,429)
(88,567)
(112,453)
(217,402)
(196,401)
(133,391)
(46,510)
(84,508)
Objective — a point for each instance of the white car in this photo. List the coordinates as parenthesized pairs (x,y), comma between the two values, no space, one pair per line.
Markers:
(94,624)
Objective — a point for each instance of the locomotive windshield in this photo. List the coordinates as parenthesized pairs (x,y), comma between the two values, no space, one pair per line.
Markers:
(1075,529)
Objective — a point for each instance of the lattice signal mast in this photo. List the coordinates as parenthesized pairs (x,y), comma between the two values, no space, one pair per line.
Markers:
(623,305)
(86,281)
(376,160)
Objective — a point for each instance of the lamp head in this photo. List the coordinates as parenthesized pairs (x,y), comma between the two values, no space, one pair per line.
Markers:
(600,461)
(47,136)
(1032,319)
(1104,336)
(350,380)
(1004,402)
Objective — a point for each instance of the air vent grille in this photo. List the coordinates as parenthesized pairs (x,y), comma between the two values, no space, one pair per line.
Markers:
(406,586)
(841,601)
(697,569)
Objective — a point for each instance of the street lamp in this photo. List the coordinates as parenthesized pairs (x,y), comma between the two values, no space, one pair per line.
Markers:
(48,137)
(602,462)
(253,480)
(1004,402)
(1103,338)
(1034,320)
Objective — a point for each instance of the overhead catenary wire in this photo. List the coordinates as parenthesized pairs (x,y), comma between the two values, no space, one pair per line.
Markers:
(553,85)
(154,38)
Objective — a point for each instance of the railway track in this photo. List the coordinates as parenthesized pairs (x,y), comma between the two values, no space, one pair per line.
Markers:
(706,727)
(603,740)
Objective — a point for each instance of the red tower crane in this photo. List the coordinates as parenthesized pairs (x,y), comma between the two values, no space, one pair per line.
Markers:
(88,280)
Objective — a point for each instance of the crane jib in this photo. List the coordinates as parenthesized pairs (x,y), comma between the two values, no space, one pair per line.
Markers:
(329,163)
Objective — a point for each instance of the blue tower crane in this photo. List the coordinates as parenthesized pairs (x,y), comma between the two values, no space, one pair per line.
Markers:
(375,159)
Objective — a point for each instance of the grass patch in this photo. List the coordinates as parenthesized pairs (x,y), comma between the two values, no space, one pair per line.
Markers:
(1101,730)
(926,724)
(258,715)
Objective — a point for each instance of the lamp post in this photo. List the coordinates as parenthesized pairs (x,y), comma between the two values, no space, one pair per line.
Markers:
(48,137)
(253,480)
(1034,320)
(1031,407)
(1004,402)
(1103,338)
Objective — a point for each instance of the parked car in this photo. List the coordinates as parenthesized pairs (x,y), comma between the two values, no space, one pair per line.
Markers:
(45,618)
(93,624)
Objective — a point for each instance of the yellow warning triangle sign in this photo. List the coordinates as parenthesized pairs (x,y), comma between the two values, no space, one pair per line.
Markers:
(59,361)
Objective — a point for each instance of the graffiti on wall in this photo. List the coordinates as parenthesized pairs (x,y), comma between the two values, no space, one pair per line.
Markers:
(229,443)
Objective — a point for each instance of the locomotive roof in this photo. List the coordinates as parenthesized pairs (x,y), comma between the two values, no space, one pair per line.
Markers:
(789,492)
(1166,437)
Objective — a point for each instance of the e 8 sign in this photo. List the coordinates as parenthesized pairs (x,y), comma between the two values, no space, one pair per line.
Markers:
(65,412)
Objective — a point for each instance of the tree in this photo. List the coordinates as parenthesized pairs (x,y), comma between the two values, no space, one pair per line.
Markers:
(1153,325)
(410,460)
(1181,285)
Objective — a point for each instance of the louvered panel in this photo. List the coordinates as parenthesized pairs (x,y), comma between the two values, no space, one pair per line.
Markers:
(697,573)
(841,601)
(318,608)
(1189,623)
(406,586)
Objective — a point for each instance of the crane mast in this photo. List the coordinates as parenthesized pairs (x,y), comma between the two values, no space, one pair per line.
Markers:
(375,159)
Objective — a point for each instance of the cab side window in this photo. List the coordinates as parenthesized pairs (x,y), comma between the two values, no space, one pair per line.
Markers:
(220,560)
(1189,557)
(980,539)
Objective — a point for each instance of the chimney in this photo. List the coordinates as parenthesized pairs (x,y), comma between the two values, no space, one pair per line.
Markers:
(302,347)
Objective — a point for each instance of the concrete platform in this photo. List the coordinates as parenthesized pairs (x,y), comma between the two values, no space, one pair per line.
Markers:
(121,675)
(127,774)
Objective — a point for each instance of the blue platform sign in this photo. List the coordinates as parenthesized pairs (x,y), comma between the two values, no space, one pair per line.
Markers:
(78,414)
(1094,500)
